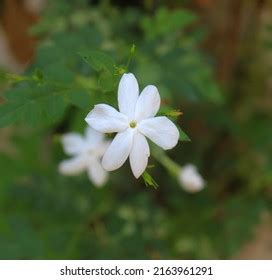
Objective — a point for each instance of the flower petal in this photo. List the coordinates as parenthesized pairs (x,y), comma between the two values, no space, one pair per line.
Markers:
(118,151)
(93,137)
(106,119)
(161,131)
(128,92)
(73,166)
(73,143)
(139,155)
(97,174)
(148,103)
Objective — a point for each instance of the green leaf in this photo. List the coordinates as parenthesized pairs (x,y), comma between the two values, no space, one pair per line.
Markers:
(99,61)
(3,76)
(149,181)
(38,76)
(79,98)
(183,137)
(11,78)
(104,64)
(173,21)
(31,106)
(107,82)
(173,114)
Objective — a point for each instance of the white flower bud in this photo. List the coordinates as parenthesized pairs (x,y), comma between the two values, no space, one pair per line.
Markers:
(190,179)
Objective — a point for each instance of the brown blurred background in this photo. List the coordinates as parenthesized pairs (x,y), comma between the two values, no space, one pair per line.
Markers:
(16,46)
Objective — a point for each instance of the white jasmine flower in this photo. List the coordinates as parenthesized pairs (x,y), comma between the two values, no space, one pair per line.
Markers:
(135,121)
(190,179)
(86,155)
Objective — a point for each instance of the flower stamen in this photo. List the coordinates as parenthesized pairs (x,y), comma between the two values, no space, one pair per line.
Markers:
(133,124)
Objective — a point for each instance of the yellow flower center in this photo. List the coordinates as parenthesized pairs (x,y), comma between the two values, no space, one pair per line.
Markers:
(133,124)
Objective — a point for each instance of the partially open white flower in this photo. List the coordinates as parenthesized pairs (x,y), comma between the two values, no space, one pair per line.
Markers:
(135,120)
(190,179)
(86,155)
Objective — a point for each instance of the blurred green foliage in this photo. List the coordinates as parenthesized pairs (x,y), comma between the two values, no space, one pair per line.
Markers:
(82,52)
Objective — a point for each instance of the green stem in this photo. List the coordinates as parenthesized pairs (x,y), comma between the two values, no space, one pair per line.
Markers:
(167,162)
(131,54)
